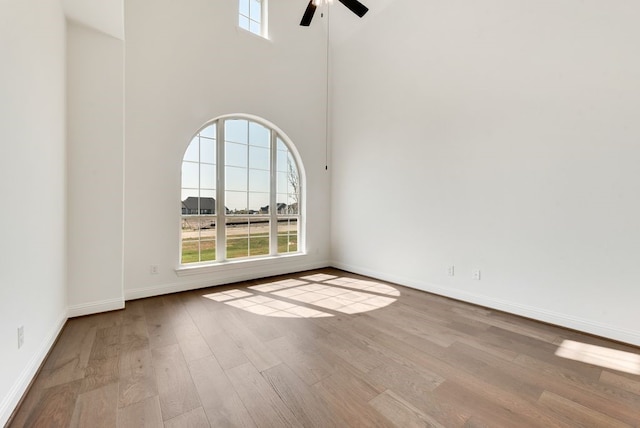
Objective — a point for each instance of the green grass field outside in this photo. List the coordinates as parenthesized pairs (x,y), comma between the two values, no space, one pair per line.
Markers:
(254,245)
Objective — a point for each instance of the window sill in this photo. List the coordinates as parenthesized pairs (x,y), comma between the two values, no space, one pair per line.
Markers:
(200,269)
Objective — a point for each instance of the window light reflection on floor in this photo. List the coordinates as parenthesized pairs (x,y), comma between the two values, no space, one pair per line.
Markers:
(311,296)
(600,356)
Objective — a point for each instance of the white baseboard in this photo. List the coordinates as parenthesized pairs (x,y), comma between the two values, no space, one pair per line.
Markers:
(596,328)
(228,276)
(96,307)
(12,399)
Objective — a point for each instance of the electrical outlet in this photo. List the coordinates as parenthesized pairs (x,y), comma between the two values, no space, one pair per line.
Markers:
(20,336)
(153,269)
(451,270)
(476,274)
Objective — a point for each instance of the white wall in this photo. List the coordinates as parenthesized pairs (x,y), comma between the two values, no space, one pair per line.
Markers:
(187,62)
(106,16)
(95,105)
(32,189)
(498,135)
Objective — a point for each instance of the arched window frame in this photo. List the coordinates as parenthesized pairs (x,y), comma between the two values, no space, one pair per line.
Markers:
(221,215)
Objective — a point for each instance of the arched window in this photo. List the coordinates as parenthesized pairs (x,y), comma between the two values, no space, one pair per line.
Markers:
(241,192)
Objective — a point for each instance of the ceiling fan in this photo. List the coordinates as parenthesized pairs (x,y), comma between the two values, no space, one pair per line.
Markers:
(353,5)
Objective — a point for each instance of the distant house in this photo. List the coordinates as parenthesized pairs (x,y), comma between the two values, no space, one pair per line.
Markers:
(190,206)
(281,208)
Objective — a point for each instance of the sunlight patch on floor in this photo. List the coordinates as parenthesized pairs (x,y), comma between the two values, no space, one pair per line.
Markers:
(600,356)
(311,296)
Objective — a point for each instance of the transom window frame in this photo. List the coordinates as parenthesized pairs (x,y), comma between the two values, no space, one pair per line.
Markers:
(221,212)
(248,20)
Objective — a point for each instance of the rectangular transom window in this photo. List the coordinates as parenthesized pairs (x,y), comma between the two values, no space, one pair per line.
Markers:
(252,16)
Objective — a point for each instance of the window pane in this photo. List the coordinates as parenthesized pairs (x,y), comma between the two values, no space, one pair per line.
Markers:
(259,203)
(191,154)
(236,178)
(207,251)
(198,239)
(288,180)
(237,234)
(292,204)
(236,154)
(243,22)
(190,172)
(207,228)
(191,206)
(259,135)
(190,229)
(293,179)
(282,204)
(188,193)
(293,243)
(207,206)
(282,183)
(255,10)
(207,150)
(287,204)
(258,237)
(259,246)
(291,163)
(207,176)
(236,202)
(190,253)
(287,226)
(209,131)
(208,193)
(281,161)
(254,27)
(287,235)
(236,131)
(237,247)
(258,180)
(259,158)
(244,7)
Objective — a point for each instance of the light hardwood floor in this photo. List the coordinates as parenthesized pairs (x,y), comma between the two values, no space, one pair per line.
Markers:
(321,349)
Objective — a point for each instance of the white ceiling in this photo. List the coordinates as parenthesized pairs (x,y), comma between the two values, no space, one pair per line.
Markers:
(106,16)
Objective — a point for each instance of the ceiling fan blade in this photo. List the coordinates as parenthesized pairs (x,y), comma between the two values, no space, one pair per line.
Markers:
(355,6)
(308,14)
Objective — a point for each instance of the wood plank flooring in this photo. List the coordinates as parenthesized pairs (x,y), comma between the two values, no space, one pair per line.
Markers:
(323,348)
